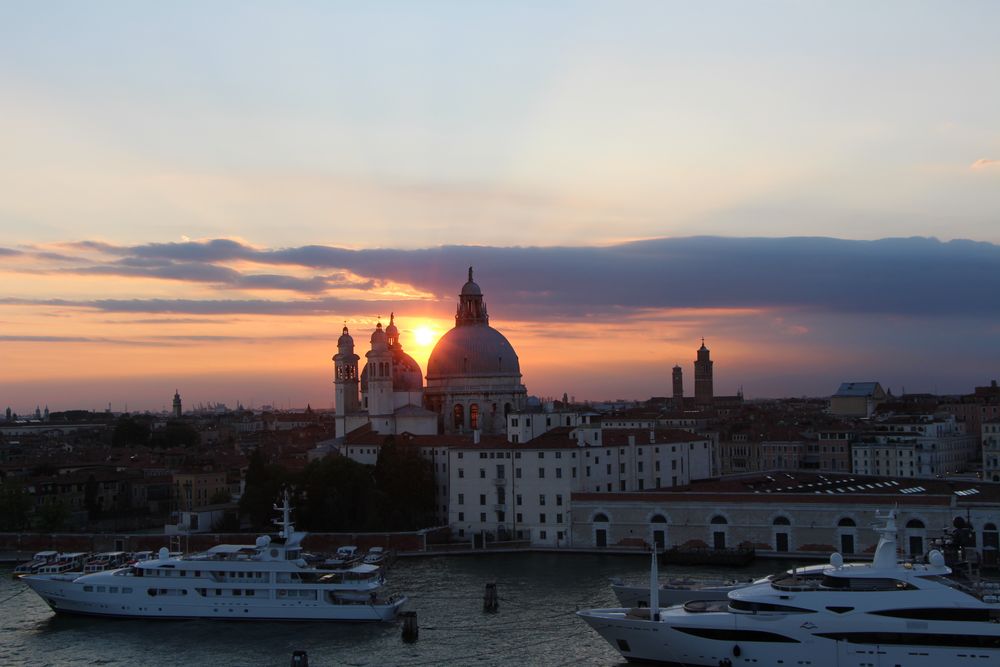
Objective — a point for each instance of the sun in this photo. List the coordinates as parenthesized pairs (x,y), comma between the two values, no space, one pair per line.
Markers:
(424,335)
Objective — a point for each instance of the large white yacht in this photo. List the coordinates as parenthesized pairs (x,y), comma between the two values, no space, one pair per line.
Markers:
(842,615)
(267,580)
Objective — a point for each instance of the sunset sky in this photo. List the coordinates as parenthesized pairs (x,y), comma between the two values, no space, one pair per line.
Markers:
(199,195)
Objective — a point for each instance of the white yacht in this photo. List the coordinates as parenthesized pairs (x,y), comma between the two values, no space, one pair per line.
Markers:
(267,580)
(844,615)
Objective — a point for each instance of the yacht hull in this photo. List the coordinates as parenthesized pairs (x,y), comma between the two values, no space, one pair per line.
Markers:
(67,596)
(669,642)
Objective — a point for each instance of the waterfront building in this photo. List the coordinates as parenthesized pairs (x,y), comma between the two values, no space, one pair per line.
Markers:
(788,512)
(975,409)
(501,489)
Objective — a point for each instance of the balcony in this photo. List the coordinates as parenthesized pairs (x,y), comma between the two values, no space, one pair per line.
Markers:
(499,481)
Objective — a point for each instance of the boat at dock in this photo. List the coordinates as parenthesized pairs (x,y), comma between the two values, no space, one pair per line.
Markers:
(267,580)
(884,612)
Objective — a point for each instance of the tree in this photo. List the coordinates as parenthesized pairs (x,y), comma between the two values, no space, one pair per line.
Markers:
(406,481)
(90,497)
(263,485)
(339,494)
(15,505)
(52,516)
(176,434)
(130,432)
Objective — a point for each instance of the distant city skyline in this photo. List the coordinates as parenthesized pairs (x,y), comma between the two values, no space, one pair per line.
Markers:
(198,197)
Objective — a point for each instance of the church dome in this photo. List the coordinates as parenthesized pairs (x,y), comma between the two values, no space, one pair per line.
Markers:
(378,338)
(345,339)
(406,375)
(472,350)
(470,288)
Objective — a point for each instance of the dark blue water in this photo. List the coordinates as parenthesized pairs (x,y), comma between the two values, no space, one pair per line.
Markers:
(535,624)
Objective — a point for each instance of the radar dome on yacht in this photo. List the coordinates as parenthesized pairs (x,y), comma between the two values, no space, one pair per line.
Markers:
(164,553)
(836,560)
(935,558)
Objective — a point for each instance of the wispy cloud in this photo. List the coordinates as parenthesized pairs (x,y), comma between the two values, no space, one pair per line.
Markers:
(984,163)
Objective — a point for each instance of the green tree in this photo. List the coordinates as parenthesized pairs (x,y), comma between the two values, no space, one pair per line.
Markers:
(337,493)
(405,480)
(262,488)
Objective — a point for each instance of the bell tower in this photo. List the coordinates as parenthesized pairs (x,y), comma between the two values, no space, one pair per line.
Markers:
(678,377)
(345,378)
(703,377)
(379,376)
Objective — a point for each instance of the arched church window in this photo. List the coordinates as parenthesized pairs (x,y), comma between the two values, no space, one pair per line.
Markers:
(846,522)
(474,416)
(601,518)
(718,519)
(658,518)
(781,521)
(915,523)
(459,416)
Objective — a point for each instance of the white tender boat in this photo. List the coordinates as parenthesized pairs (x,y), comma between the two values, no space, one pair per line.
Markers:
(37,562)
(267,580)
(845,615)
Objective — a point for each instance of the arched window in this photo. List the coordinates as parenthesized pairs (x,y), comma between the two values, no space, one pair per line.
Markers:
(915,523)
(459,416)
(658,518)
(474,416)
(601,518)
(846,522)
(719,519)
(782,521)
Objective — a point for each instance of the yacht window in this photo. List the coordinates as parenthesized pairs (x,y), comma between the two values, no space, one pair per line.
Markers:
(88,589)
(915,639)
(767,607)
(865,584)
(943,614)
(729,635)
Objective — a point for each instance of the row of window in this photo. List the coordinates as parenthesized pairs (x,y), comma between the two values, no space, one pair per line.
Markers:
(502,516)
(501,498)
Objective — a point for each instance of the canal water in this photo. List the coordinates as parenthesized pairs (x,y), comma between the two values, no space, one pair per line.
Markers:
(535,624)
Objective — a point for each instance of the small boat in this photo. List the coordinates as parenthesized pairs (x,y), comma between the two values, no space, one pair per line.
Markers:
(376,556)
(732,557)
(64,563)
(106,560)
(346,557)
(37,562)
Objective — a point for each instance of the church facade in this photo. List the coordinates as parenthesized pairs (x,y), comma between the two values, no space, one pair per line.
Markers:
(473,379)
